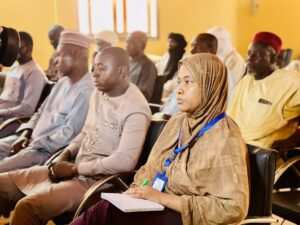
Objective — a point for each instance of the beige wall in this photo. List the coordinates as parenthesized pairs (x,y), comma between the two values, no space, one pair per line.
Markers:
(36,17)
(188,17)
(278,16)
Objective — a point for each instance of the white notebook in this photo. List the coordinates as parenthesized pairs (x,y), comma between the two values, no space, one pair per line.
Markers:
(127,203)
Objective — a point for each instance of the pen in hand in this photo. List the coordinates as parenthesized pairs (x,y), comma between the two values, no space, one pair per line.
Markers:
(145,183)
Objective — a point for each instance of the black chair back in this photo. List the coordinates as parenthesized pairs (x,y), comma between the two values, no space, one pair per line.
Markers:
(46,91)
(158,89)
(262,173)
(154,130)
(286,203)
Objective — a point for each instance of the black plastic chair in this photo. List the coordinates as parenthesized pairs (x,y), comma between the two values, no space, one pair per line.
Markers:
(157,93)
(22,119)
(286,196)
(262,173)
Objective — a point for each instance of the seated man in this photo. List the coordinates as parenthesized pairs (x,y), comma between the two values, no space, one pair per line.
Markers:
(61,116)
(54,34)
(266,103)
(142,70)
(168,65)
(104,39)
(233,61)
(202,43)
(24,84)
(110,142)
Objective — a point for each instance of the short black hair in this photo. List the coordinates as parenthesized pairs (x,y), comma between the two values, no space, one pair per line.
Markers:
(208,40)
(26,38)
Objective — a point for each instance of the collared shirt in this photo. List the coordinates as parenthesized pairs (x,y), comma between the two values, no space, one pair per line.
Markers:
(62,115)
(265,109)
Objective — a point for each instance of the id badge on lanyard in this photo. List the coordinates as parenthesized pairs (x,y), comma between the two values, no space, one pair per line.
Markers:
(161,180)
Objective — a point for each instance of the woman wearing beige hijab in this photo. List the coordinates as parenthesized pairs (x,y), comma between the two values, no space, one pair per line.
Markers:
(199,162)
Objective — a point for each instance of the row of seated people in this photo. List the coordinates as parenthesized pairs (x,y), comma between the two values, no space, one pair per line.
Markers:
(234,62)
(113,134)
(25,81)
(105,83)
(266,110)
(265,105)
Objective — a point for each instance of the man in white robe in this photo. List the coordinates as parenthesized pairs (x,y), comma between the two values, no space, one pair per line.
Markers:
(233,61)
(61,116)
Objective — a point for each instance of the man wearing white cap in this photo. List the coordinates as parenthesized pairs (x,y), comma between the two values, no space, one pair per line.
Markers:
(104,39)
(61,116)
(233,61)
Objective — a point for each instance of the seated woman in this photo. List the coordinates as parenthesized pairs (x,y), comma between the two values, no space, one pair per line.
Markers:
(200,152)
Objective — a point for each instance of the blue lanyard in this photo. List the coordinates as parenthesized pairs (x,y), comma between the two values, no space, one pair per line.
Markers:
(177,149)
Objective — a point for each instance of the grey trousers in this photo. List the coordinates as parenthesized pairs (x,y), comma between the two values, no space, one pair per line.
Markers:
(27,157)
(9,130)
(5,145)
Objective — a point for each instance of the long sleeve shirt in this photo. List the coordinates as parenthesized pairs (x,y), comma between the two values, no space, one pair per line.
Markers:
(143,74)
(113,135)
(62,115)
(266,110)
(22,90)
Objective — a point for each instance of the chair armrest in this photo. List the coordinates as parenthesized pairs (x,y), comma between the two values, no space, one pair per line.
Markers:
(95,187)
(160,116)
(263,219)
(53,157)
(18,119)
(155,105)
(285,166)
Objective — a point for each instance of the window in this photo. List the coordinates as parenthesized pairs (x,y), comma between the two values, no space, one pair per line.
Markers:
(121,16)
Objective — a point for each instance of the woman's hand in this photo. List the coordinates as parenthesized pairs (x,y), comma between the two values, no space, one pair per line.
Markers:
(147,192)
(170,201)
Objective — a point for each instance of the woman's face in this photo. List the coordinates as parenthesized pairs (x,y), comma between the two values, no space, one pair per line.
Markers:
(188,92)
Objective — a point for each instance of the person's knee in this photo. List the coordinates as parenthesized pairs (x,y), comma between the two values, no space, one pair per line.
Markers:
(27,211)
(24,205)
(28,205)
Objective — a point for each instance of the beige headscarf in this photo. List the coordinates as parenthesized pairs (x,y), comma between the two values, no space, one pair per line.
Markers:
(211,76)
